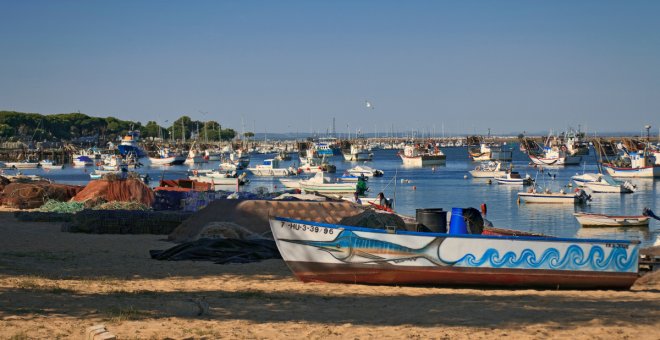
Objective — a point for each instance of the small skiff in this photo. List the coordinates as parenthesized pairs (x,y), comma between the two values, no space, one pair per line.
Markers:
(578,197)
(320,184)
(600,220)
(607,184)
(514,178)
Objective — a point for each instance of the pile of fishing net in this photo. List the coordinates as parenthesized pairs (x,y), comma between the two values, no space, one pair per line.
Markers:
(119,205)
(34,194)
(373,219)
(124,190)
(62,207)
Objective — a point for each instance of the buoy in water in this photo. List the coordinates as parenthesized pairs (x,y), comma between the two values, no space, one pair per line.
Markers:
(414,187)
(433,169)
(465,176)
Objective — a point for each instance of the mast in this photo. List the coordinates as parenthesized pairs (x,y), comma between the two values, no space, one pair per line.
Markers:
(183,131)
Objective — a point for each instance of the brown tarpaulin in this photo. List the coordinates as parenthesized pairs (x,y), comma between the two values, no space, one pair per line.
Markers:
(3,182)
(125,190)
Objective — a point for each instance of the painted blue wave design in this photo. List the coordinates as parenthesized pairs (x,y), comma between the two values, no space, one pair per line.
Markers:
(574,259)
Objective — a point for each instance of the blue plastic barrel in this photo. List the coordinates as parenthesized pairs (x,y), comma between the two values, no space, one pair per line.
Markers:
(457,223)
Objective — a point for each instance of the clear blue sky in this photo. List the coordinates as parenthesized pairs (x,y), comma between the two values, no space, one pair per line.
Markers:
(293,65)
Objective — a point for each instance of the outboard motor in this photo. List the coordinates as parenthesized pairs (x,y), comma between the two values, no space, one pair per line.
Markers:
(583,196)
(648,212)
(629,186)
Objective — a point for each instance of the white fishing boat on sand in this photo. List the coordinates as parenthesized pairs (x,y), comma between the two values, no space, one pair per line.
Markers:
(325,252)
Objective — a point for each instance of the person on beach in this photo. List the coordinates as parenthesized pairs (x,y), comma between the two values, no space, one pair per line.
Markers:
(356,198)
(361,186)
(383,201)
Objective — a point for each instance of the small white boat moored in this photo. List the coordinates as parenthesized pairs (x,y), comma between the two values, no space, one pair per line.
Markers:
(581,180)
(514,178)
(601,220)
(48,164)
(488,170)
(22,165)
(606,184)
(416,156)
(549,197)
(363,170)
(319,183)
(271,168)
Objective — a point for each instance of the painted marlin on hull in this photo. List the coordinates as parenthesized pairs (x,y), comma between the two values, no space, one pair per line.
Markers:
(351,248)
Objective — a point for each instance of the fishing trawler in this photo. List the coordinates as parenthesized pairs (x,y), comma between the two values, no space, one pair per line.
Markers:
(414,155)
(130,144)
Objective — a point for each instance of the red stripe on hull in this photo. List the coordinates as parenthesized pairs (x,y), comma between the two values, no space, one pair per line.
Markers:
(457,276)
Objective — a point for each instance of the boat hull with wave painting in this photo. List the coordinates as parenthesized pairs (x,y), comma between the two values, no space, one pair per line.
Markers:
(320,252)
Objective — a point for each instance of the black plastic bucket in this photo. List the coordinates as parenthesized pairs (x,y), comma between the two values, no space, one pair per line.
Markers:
(434,219)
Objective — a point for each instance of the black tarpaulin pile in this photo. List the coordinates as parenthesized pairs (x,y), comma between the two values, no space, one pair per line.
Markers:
(220,251)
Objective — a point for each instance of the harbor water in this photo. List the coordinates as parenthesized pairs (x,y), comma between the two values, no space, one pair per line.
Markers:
(446,187)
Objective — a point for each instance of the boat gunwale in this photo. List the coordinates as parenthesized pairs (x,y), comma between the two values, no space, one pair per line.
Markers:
(419,233)
(611,216)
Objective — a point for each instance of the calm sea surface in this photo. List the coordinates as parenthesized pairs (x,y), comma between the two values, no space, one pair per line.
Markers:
(445,187)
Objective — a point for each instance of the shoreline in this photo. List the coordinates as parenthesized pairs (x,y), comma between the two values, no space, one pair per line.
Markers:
(54,284)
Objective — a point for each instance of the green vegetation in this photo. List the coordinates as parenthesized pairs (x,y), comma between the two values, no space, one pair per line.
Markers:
(70,126)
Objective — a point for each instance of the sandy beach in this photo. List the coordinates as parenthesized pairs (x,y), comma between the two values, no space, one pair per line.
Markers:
(55,284)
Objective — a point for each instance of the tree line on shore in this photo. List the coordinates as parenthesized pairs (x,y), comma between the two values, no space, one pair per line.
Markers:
(16,126)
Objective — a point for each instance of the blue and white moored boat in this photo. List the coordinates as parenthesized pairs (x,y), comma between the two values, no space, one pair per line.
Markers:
(637,164)
(336,253)
(129,145)
(514,178)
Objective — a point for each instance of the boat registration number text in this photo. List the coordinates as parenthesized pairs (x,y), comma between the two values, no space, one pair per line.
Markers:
(616,245)
(305,227)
